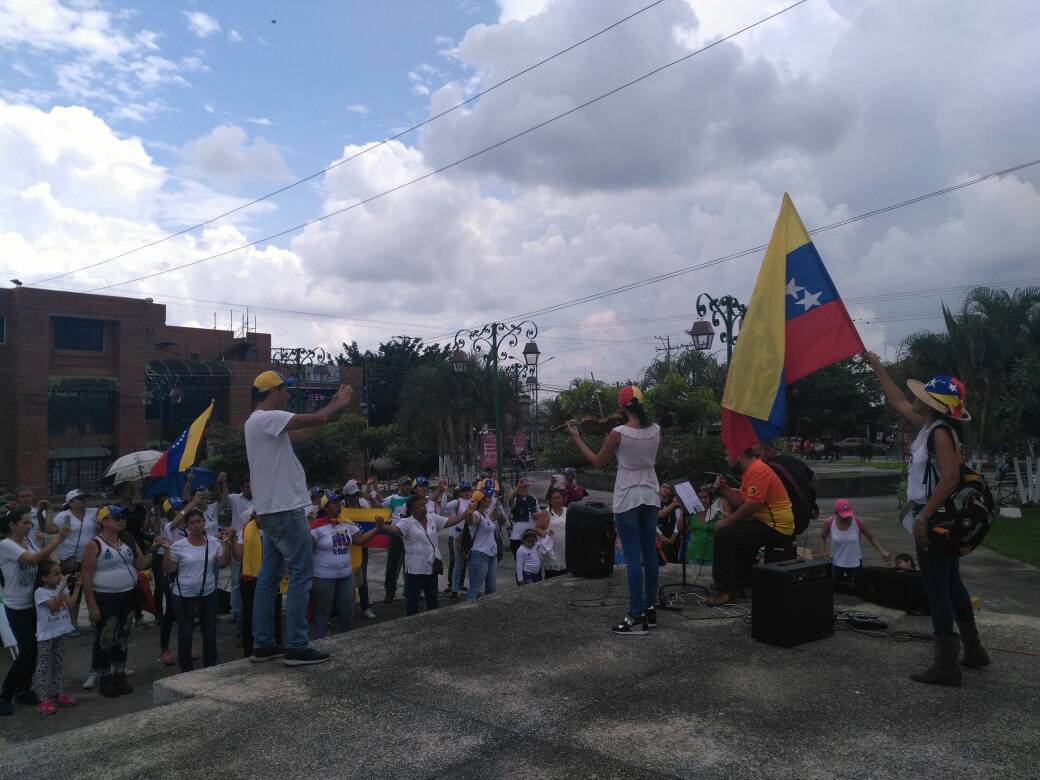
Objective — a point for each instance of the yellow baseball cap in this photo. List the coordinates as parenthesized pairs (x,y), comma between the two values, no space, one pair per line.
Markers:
(270,380)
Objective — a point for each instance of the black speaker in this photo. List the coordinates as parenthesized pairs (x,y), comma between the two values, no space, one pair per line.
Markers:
(792,602)
(894,588)
(590,539)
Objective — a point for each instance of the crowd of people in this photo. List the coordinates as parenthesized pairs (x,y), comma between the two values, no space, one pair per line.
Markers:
(298,553)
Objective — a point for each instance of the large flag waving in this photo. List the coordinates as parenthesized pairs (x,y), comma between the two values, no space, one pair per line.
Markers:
(796,323)
(183,453)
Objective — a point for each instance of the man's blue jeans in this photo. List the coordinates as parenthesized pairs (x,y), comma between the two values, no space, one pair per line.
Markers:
(947,596)
(483,573)
(287,545)
(637,529)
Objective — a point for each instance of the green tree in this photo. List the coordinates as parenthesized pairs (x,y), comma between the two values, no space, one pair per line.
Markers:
(843,399)
(226,451)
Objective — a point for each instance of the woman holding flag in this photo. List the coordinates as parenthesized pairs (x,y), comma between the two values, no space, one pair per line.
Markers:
(636,504)
(934,474)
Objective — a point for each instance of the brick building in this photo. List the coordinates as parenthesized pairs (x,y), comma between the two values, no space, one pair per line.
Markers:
(91,377)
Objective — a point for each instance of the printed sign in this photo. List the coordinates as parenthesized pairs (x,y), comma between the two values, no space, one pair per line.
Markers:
(490,450)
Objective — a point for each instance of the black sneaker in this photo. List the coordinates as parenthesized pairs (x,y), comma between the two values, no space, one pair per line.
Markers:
(632,625)
(389,598)
(304,656)
(651,617)
(261,654)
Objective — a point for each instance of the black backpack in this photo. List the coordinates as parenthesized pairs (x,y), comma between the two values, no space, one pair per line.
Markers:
(964,519)
(799,490)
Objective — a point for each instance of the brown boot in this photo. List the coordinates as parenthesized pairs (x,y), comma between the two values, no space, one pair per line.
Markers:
(107,687)
(975,654)
(944,669)
(122,686)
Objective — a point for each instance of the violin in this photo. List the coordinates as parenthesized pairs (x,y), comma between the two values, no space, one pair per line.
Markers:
(597,424)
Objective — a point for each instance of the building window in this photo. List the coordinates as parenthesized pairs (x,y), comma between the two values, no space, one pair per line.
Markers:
(78,333)
(85,473)
(79,406)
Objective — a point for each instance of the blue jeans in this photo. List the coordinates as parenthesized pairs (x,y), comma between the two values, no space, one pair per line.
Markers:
(287,545)
(637,529)
(328,593)
(483,572)
(947,596)
(456,567)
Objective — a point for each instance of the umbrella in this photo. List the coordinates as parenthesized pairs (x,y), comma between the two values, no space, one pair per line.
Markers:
(173,484)
(131,468)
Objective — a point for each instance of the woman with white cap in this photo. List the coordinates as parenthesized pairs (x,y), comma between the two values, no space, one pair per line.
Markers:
(636,503)
(938,412)
(81,521)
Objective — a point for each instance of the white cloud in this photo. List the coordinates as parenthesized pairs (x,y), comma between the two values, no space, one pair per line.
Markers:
(358,108)
(234,36)
(520,10)
(227,157)
(202,24)
(259,120)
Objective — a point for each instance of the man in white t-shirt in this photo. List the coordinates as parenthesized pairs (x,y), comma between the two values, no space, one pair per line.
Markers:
(280,497)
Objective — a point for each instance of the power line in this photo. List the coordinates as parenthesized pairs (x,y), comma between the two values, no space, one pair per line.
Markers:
(458,162)
(366,150)
(761,247)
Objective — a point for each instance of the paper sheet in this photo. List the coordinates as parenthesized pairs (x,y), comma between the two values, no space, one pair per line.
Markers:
(688,496)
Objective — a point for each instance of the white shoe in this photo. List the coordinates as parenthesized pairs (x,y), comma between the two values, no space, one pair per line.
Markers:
(369,614)
(91,681)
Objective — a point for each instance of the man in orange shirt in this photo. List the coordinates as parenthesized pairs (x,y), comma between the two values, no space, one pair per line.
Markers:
(762,515)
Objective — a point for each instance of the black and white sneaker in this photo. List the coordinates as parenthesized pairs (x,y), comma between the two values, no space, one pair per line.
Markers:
(632,625)
(304,656)
(261,654)
(651,617)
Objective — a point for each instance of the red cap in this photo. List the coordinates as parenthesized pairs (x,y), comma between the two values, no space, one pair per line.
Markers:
(628,394)
(843,509)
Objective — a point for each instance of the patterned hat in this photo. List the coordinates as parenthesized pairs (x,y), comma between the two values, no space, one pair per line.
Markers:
(943,393)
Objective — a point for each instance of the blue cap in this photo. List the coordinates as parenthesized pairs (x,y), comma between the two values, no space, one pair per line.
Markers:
(422,482)
(570,471)
(464,485)
(333,495)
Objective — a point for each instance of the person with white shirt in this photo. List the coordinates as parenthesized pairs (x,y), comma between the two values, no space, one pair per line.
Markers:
(333,583)
(419,530)
(173,509)
(523,507)
(81,521)
(52,599)
(19,557)
(241,505)
(40,512)
(352,498)
(483,552)
(196,559)
(555,563)
(280,497)
(457,556)
(528,559)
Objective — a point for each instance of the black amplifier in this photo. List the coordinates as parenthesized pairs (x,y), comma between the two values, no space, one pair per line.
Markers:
(792,602)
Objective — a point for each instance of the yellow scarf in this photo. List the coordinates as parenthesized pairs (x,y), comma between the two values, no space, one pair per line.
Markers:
(253,554)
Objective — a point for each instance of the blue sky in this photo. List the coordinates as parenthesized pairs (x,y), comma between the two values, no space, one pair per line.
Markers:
(122,122)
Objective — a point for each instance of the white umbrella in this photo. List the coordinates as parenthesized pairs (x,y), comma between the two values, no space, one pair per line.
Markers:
(132,467)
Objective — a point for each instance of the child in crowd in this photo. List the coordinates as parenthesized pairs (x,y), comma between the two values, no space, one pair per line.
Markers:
(528,559)
(905,561)
(53,622)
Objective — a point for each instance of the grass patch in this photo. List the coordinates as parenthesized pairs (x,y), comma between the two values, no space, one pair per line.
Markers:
(1017,538)
(886,465)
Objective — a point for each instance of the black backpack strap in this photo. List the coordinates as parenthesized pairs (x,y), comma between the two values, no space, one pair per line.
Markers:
(788,478)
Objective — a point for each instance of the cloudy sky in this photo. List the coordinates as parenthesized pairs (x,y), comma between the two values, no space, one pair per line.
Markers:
(121,124)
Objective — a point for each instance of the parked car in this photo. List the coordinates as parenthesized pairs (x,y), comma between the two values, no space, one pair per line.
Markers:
(858,444)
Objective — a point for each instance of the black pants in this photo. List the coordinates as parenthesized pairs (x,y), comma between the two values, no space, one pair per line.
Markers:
(362,581)
(414,584)
(248,591)
(19,676)
(206,609)
(514,545)
(550,573)
(112,633)
(734,540)
(394,559)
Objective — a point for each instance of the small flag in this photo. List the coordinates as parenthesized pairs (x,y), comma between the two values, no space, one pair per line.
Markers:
(796,324)
(183,453)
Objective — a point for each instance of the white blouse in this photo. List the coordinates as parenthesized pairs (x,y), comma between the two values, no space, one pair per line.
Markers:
(636,482)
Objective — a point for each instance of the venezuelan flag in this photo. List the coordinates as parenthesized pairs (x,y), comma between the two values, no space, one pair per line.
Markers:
(796,324)
(365,519)
(183,453)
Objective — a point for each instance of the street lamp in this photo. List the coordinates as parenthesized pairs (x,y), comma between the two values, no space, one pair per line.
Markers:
(727,311)
(492,341)
(459,361)
(702,334)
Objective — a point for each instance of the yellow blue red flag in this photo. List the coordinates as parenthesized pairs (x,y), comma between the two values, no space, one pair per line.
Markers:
(796,323)
(183,453)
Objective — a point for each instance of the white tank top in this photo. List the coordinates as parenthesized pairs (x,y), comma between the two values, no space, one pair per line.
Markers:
(917,488)
(845,548)
(114,570)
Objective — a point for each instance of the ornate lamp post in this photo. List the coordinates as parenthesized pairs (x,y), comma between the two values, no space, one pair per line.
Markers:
(491,341)
(297,358)
(726,311)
